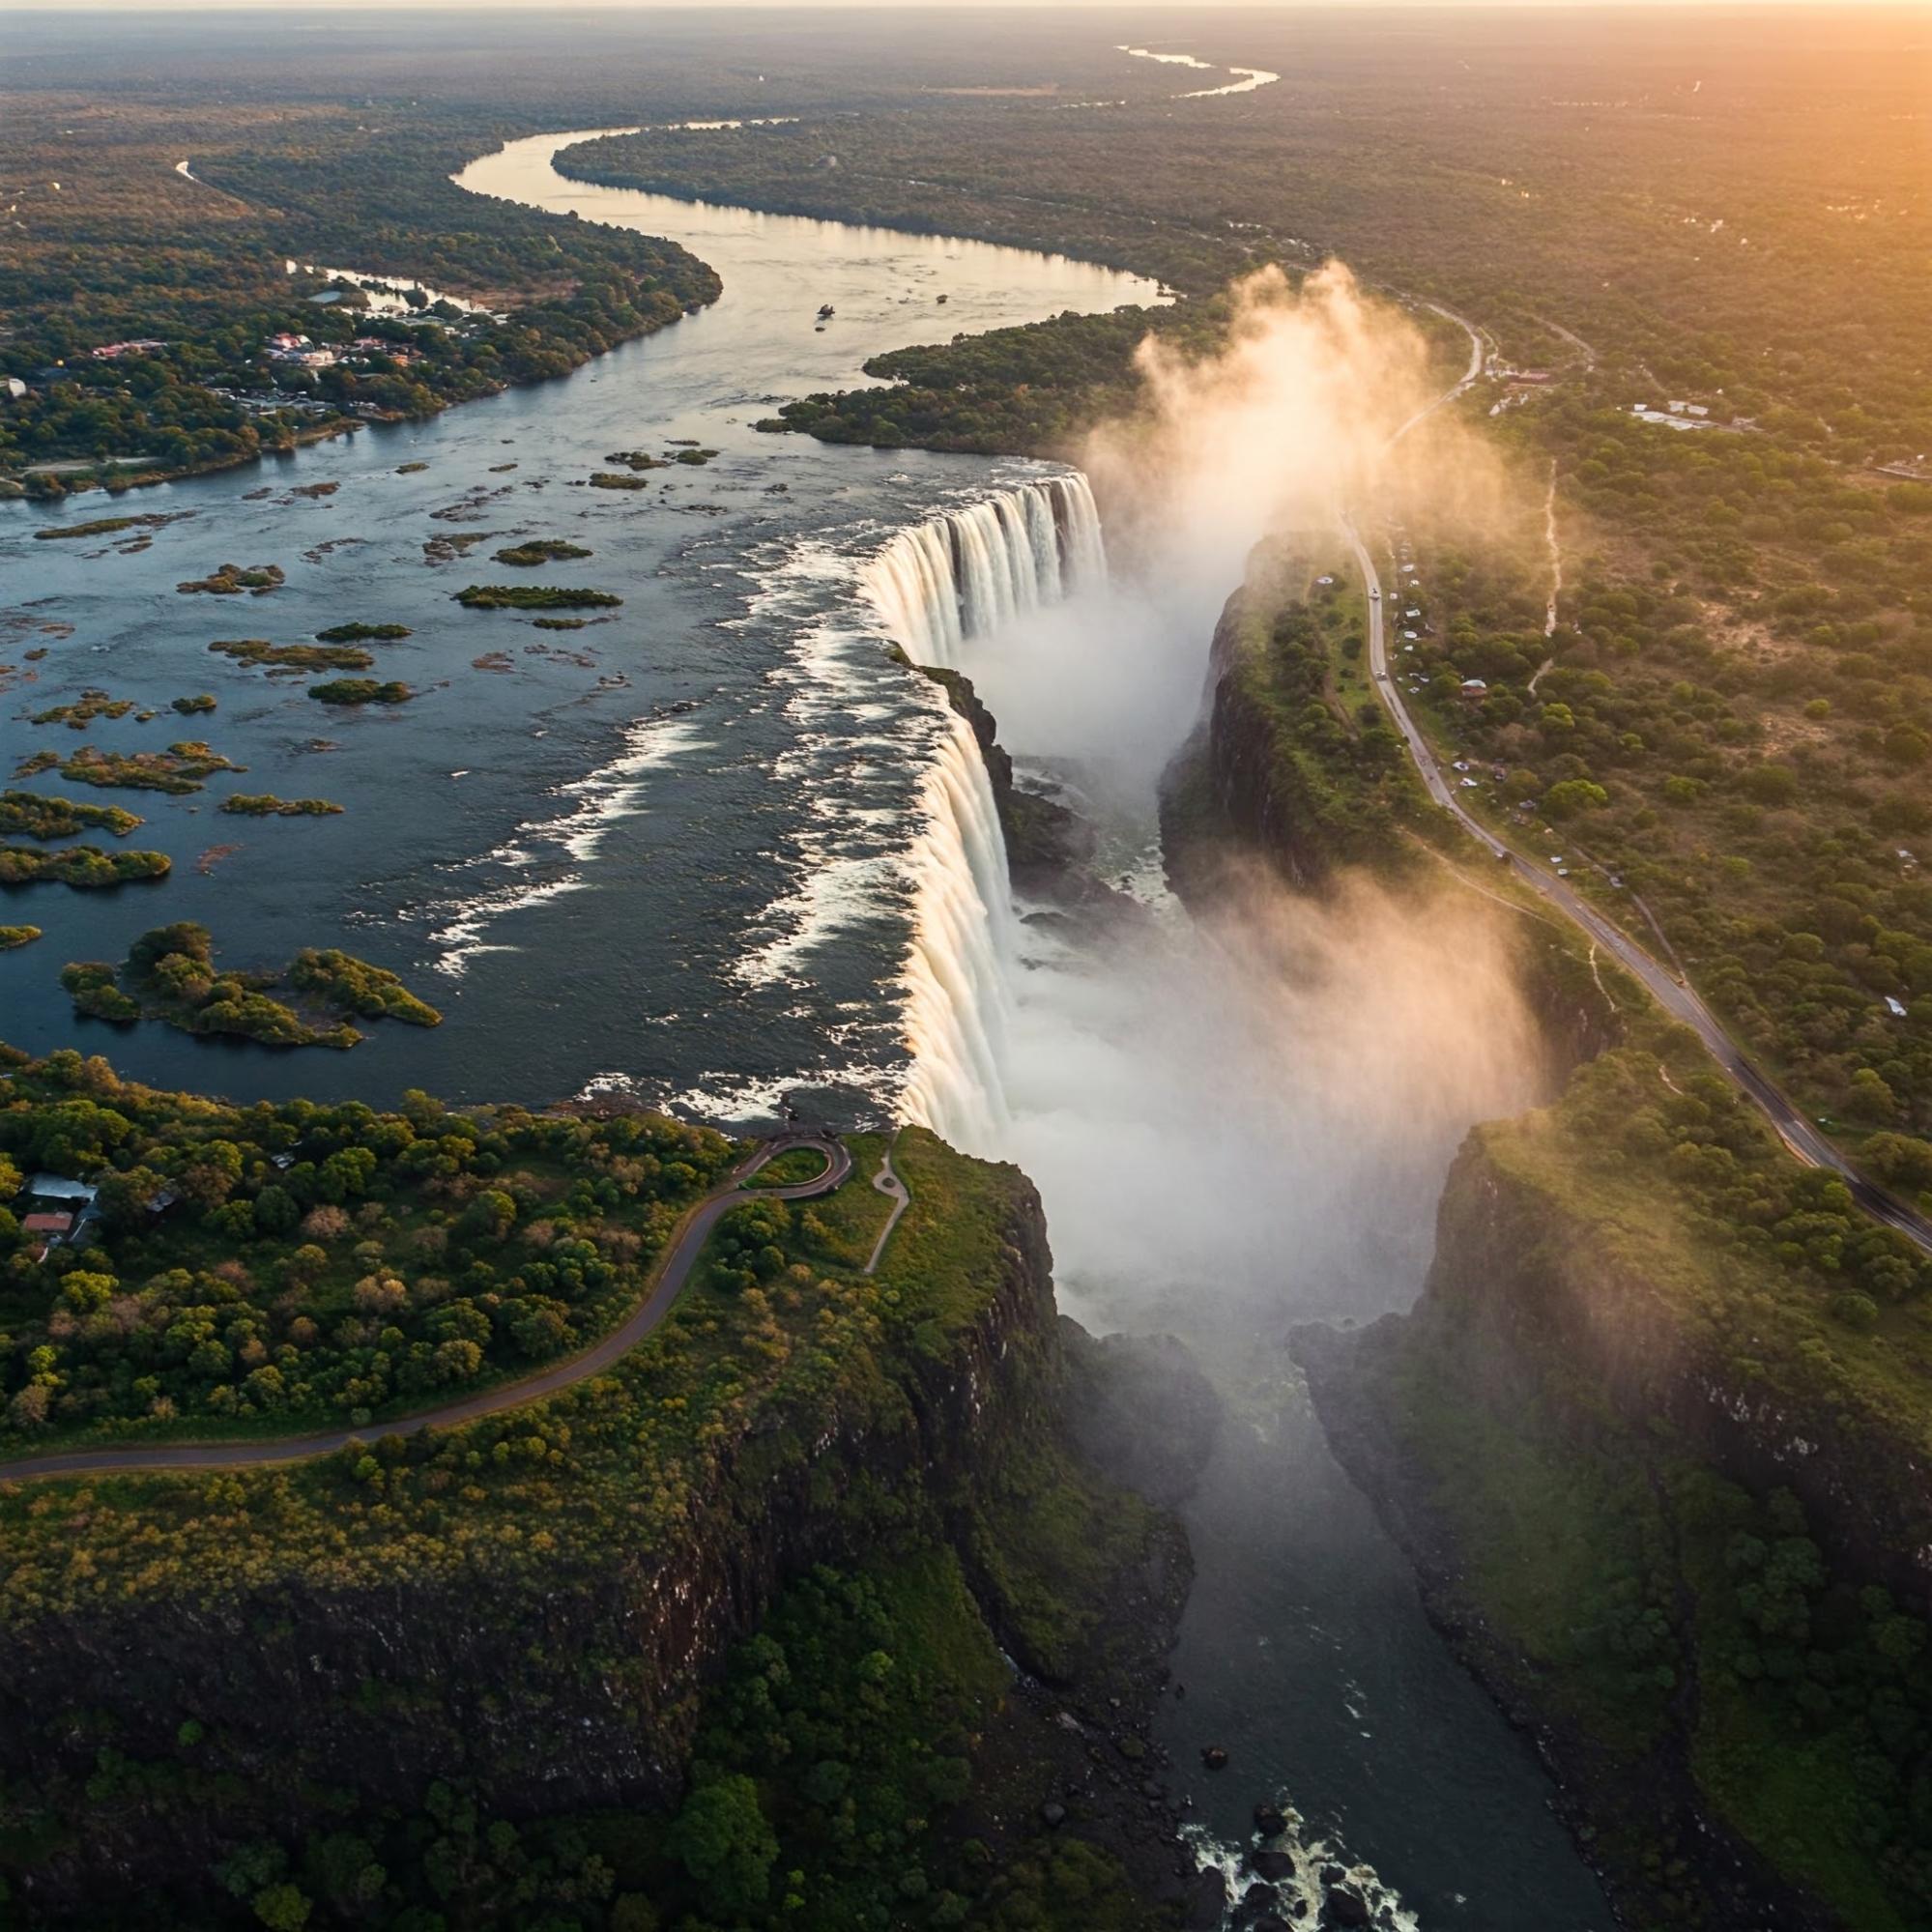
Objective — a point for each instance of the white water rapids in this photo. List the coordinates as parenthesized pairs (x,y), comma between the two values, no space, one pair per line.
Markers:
(937,587)
(966,574)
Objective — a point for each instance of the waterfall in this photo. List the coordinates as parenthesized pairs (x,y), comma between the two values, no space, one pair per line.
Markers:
(960,576)
(934,587)
(963,939)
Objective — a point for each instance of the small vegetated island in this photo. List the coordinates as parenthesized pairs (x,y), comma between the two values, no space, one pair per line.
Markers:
(290,659)
(361,691)
(358,633)
(100,526)
(40,815)
(170,974)
(266,805)
(182,769)
(84,866)
(18,935)
(202,701)
(82,711)
(535,597)
(230,580)
(541,550)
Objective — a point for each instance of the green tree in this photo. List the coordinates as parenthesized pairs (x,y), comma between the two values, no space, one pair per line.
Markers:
(1574,795)
(726,1844)
(282,1908)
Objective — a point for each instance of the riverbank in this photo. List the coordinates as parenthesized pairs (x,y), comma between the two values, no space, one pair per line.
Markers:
(182,371)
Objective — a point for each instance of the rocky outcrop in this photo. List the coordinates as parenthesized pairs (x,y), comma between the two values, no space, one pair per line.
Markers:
(1046,843)
(1260,793)
(1140,1408)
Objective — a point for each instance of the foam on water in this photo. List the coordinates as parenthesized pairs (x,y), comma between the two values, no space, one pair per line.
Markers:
(935,588)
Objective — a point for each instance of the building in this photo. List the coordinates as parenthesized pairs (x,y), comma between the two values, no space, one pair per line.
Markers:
(1474,689)
(14,387)
(56,1186)
(112,352)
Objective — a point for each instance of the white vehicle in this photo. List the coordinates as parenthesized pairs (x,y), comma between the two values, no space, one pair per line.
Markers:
(1377,595)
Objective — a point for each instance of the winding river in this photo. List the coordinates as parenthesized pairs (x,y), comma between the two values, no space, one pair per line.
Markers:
(685,851)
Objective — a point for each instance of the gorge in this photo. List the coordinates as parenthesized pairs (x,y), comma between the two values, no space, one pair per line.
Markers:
(1239,1112)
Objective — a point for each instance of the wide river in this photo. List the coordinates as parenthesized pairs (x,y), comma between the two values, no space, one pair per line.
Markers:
(668,852)
(595,850)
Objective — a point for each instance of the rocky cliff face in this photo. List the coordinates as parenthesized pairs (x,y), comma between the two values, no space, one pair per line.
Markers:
(1255,787)
(1562,1384)
(569,1690)
(1535,1304)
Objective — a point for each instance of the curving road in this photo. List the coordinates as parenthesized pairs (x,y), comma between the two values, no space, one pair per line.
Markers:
(673,1270)
(887,1182)
(1671,992)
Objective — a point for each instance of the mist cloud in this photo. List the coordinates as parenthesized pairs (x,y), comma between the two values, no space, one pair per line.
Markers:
(1247,1123)
(1282,427)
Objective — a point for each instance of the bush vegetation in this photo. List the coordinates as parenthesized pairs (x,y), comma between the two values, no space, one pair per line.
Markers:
(180,769)
(266,805)
(358,633)
(230,580)
(316,1263)
(36,815)
(533,597)
(361,691)
(293,657)
(85,866)
(541,550)
(171,975)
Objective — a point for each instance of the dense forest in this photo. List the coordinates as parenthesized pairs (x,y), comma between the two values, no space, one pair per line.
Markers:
(268,1267)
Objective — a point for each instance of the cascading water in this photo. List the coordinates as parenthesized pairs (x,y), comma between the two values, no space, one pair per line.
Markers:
(962,575)
(935,588)
(963,939)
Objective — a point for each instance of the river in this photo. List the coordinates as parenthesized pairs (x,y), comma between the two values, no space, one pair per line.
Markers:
(602,853)
(684,853)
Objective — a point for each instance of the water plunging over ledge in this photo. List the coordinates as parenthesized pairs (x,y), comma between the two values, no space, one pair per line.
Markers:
(966,574)
(935,588)
(665,854)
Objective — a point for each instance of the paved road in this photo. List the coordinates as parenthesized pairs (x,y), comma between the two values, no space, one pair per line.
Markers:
(1793,1129)
(687,1241)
